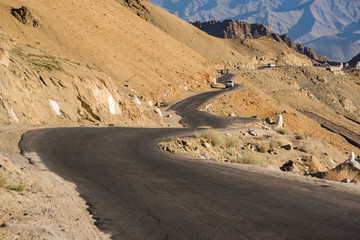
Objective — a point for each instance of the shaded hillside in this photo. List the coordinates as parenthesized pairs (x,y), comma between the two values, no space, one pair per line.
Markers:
(354,60)
(335,48)
(239,29)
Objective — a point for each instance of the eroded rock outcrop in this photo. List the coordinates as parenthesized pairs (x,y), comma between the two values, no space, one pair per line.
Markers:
(239,29)
(24,16)
(139,8)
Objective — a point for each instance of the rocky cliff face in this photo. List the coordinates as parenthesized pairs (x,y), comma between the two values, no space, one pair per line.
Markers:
(239,29)
(354,60)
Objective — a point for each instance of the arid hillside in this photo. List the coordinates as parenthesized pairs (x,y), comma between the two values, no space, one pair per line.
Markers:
(120,62)
(95,61)
(225,53)
(102,53)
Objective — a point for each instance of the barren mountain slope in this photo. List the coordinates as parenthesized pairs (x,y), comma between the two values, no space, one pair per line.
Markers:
(107,38)
(231,53)
(302,20)
(291,90)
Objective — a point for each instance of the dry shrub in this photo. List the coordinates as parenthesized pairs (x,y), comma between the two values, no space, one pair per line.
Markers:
(342,172)
(217,138)
(263,146)
(300,135)
(248,157)
(231,141)
(305,149)
(282,130)
(276,143)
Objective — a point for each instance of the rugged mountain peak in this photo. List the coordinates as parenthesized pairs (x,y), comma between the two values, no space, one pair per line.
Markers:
(240,29)
(354,60)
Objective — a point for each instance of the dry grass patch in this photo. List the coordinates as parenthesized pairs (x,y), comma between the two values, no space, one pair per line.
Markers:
(282,130)
(276,143)
(300,135)
(305,149)
(217,138)
(248,157)
(263,146)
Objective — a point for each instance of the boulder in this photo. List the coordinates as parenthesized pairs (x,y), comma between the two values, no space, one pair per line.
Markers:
(345,180)
(4,57)
(24,16)
(251,132)
(206,144)
(317,165)
(186,143)
(170,149)
(288,167)
(287,147)
(265,127)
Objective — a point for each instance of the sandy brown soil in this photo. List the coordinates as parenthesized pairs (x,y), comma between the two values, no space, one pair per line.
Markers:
(270,149)
(47,208)
(82,54)
(284,90)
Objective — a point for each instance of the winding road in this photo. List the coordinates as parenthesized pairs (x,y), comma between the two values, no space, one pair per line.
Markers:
(136,191)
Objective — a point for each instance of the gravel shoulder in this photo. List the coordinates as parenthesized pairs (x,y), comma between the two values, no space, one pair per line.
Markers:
(48,207)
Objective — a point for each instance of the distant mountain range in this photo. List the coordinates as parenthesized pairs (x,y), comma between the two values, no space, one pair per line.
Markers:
(330,27)
(240,29)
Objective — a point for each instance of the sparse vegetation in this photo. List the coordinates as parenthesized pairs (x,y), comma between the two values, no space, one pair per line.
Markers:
(276,143)
(282,130)
(16,187)
(300,135)
(13,187)
(231,141)
(305,149)
(248,157)
(263,146)
(217,138)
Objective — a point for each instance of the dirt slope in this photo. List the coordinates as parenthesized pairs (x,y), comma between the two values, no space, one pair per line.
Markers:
(96,38)
(233,54)
(289,90)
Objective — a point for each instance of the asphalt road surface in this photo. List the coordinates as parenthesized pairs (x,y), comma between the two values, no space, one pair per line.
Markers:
(137,191)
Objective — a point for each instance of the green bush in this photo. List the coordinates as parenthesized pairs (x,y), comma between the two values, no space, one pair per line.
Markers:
(16,187)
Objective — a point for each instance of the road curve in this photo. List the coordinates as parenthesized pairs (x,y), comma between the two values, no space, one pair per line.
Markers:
(137,191)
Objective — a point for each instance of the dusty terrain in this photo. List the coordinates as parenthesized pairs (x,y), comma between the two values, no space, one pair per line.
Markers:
(34,202)
(100,63)
(289,90)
